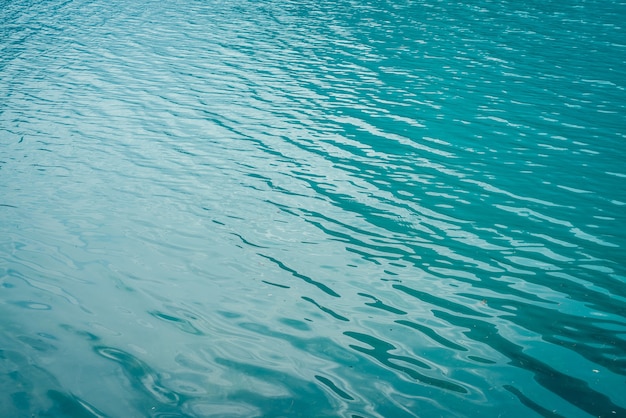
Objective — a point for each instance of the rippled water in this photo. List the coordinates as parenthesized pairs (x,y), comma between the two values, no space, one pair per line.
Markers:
(312,208)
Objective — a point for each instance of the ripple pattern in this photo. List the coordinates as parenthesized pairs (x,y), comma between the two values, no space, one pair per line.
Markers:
(312,208)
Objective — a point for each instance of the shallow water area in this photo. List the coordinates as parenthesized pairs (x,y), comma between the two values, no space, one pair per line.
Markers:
(314,209)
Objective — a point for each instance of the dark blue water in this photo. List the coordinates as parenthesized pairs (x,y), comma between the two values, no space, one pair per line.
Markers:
(312,208)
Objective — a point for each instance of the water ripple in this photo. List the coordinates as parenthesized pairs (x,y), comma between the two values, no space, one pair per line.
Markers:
(312,208)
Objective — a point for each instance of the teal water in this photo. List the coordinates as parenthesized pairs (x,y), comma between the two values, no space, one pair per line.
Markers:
(312,208)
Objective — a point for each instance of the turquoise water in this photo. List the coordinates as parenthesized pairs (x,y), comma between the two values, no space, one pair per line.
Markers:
(312,208)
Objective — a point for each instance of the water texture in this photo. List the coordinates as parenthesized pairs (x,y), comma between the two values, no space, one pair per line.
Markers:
(312,208)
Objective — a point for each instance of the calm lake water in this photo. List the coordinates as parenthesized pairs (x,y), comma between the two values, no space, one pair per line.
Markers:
(312,208)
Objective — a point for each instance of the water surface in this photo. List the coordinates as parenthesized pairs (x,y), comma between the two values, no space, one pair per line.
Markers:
(312,208)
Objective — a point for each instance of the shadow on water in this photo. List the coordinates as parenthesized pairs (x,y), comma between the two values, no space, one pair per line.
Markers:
(574,390)
(308,401)
(160,401)
(588,338)
(591,338)
(30,390)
